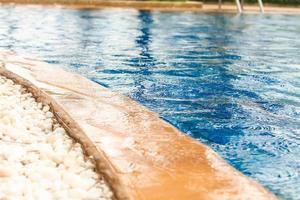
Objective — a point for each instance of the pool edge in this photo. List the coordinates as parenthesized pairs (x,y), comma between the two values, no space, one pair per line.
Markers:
(126,181)
(168,6)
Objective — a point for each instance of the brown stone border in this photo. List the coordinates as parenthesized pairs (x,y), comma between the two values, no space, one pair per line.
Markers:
(143,5)
(195,6)
(140,156)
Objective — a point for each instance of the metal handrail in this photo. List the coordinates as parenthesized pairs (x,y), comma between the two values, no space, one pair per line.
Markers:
(261,6)
(240,7)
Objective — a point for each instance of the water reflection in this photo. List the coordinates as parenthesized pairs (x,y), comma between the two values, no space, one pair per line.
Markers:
(144,62)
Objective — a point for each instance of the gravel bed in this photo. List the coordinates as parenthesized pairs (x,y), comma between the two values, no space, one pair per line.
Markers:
(38,160)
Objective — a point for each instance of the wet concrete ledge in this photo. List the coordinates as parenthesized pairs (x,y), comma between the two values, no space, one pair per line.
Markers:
(141,156)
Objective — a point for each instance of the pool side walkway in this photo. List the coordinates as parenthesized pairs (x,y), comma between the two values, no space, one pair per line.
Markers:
(141,156)
(144,5)
(196,6)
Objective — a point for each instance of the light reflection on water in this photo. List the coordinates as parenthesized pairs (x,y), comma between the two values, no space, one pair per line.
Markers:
(233,82)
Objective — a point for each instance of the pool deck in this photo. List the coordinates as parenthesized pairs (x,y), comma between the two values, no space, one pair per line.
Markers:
(196,6)
(141,156)
(144,5)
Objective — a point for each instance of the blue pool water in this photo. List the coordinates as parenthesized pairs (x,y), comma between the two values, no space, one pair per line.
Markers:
(232,82)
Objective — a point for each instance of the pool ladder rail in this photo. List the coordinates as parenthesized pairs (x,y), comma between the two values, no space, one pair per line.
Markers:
(239,5)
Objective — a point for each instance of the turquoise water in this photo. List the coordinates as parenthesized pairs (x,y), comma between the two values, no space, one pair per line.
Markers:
(230,81)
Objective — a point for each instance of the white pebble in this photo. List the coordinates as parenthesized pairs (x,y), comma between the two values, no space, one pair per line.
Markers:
(59,130)
(49,114)
(38,160)
(46,108)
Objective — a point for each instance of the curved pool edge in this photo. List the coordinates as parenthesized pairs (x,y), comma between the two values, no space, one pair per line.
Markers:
(168,6)
(140,155)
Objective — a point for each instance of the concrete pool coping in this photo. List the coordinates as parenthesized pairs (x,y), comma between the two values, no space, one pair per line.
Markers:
(145,5)
(195,6)
(140,155)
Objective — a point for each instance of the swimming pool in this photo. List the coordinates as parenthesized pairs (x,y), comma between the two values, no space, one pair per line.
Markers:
(233,82)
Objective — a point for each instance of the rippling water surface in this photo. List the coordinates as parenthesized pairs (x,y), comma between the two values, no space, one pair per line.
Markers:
(233,82)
